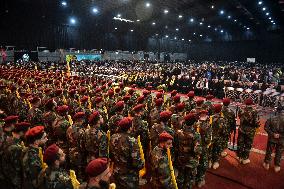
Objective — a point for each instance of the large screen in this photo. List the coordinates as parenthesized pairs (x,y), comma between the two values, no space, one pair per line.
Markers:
(25,56)
(80,57)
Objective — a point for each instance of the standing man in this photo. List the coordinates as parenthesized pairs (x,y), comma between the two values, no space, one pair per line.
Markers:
(161,173)
(32,163)
(124,152)
(248,125)
(275,129)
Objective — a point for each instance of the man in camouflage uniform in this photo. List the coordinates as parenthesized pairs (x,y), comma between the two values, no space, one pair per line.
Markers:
(96,143)
(190,103)
(188,150)
(54,176)
(124,152)
(218,128)
(35,115)
(199,106)
(164,125)
(49,117)
(205,131)
(160,170)
(208,104)
(248,125)
(112,123)
(12,157)
(103,112)
(275,129)
(75,135)
(230,119)
(155,112)
(32,163)
(177,118)
(60,126)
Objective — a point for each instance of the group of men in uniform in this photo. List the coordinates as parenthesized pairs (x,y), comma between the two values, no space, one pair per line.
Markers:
(103,132)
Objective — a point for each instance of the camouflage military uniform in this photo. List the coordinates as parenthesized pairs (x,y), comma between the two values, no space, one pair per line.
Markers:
(5,140)
(160,170)
(77,155)
(95,144)
(177,120)
(206,136)
(248,125)
(218,126)
(189,105)
(124,152)
(35,116)
(188,150)
(12,163)
(104,115)
(48,119)
(55,178)
(59,133)
(156,130)
(275,125)
(155,115)
(22,110)
(230,119)
(112,123)
(140,127)
(32,166)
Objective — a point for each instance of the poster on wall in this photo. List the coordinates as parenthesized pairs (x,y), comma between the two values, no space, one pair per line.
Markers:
(79,57)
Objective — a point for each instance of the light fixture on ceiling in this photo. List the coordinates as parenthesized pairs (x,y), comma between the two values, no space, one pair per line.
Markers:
(64,3)
(154,23)
(212,6)
(147,4)
(180,16)
(222,12)
(260,2)
(118,15)
(131,30)
(167,36)
(166,11)
(264,8)
(191,20)
(182,39)
(95,10)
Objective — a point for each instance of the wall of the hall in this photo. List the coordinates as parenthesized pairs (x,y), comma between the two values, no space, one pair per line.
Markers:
(266,50)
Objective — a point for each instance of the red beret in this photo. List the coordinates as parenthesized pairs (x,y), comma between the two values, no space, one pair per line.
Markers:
(119,106)
(126,98)
(109,83)
(58,91)
(94,117)
(159,102)
(117,90)
(226,101)
(11,119)
(146,92)
(62,109)
(248,102)
(96,167)
(98,90)
(190,117)
(73,87)
(47,90)
(164,136)
(35,100)
(79,115)
(103,87)
(130,91)
(217,108)
(176,98)
(98,100)
(180,107)
(83,90)
(159,95)
(84,99)
(199,102)
(50,154)
(173,93)
(140,99)
(203,112)
(165,115)
(161,91)
(110,93)
(125,123)
(35,131)
(209,97)
(190,94)
(23,126)
(72,92)
(138,107)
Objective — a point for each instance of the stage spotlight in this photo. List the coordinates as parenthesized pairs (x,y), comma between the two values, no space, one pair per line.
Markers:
(222,12)
(209,26)
(248,28)
(179,16)
(64,3)
(175,38)
(269,18)
(191,20)
(189,40)
(118,15)
(200,23)
(222,31)
(200,35)
(72,20)
(182,39)
(229,17)
(131,30)
(166,11)
(212,7)
(138,20)
(115,28)
(154,23)
(148,4)
(260,2)
(177,29)
(95,10)
(264,8)
(167,36)
(235,20)
(267,14)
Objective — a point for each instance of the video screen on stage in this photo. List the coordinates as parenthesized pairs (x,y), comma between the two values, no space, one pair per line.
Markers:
(25,56)
(79,57)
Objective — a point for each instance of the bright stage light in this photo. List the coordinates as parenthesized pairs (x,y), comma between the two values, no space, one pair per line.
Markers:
(64,3)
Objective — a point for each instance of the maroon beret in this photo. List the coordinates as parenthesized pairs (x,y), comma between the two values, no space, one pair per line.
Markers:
(11,119)
(125,123)
(165,116)
(164,136)
(79,115)
(119,106)
(94,117)
(62,109)
(138,107)
(248,102)
(159,95)
(159,102)
(96,167)
(50,154)
(35,131)
(217,108)
(23,126)
(191,94)
(226,101)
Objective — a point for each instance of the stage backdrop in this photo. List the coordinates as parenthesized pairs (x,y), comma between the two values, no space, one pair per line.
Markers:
(79,57)
(25,56)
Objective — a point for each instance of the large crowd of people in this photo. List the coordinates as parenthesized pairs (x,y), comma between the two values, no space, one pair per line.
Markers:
(111,124)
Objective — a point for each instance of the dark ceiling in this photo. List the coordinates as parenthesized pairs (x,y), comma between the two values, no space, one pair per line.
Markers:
(251,20)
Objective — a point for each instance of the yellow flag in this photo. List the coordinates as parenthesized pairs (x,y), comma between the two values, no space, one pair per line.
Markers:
(108,142)
(70,120)
(173,177)
(75,182)
(40,154)
(142,172)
